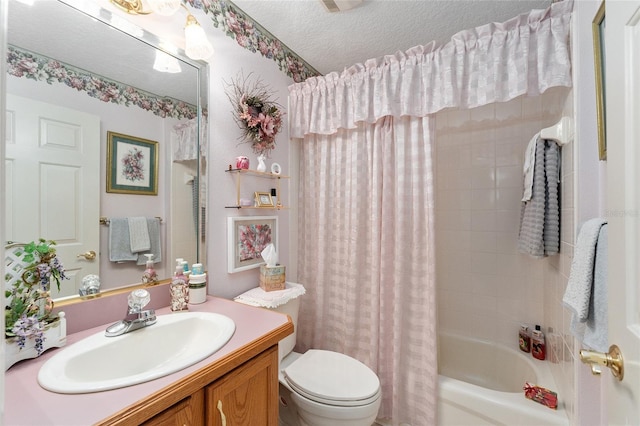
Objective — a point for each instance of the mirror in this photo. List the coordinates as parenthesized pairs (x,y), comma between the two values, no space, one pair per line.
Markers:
(91,74)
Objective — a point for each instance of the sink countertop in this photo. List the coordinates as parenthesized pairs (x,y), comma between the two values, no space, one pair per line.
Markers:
(26,403)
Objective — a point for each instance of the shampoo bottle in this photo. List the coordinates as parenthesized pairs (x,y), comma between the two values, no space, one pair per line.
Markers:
(538,347)
(524,339)
(179,288)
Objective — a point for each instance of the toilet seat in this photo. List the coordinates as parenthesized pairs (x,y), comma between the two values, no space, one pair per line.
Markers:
(333,378)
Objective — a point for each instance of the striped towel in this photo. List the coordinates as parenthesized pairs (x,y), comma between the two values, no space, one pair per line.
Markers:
(540,216)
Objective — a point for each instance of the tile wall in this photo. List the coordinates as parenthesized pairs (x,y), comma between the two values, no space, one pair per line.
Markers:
(486,288)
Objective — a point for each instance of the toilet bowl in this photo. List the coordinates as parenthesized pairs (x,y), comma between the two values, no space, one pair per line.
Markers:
(318,387)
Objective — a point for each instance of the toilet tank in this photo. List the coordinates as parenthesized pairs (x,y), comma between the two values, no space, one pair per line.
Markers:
(290,308)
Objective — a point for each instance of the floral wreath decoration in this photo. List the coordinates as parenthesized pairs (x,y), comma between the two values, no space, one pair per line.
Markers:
(29,308)
(255,113)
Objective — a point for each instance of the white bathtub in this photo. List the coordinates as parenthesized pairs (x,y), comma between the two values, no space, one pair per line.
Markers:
(480,383)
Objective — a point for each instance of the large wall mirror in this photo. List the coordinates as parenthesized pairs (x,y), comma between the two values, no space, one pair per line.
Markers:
(75,79)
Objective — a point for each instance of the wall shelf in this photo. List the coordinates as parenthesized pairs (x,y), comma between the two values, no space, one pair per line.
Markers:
(264,175)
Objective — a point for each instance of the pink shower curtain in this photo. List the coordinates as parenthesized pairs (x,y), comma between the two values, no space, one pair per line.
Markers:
(366,249)
(366,233)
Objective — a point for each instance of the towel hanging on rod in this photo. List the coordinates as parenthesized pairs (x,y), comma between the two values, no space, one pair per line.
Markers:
(561,132)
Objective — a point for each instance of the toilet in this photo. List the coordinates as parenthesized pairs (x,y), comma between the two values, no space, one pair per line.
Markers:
(318,387)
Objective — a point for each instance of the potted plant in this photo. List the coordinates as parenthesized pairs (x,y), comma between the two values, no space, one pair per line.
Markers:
(30,325)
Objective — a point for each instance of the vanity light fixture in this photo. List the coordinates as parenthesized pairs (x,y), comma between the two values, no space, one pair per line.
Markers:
(166,63)
(197,46)
(164,7)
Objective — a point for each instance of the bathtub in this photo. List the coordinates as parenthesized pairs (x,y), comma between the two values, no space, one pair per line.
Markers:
(480,383)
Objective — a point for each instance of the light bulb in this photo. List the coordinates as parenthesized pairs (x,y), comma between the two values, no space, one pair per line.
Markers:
(197,45)
(164,7)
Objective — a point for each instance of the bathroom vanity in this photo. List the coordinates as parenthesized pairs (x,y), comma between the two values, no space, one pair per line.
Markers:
(237,384)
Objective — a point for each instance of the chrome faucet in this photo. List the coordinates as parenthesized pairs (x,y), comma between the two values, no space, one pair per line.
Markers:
(136,318)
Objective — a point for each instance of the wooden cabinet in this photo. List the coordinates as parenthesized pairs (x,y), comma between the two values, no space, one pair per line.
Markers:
(246,396)
(189,411)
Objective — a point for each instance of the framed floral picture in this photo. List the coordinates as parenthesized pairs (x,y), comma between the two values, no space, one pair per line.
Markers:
(247,237)
(132,165)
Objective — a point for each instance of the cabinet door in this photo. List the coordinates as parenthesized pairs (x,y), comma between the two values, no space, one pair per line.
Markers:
(246,396)
(188,412)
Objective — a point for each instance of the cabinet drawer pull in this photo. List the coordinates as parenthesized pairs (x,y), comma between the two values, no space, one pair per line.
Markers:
(222,416)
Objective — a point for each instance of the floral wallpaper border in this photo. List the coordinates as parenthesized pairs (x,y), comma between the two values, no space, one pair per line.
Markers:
(255,38)
(25,64)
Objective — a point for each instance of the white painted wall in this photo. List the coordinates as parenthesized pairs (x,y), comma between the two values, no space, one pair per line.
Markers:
(228,61)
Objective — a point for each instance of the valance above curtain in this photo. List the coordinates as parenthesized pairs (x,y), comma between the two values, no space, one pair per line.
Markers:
(492,63)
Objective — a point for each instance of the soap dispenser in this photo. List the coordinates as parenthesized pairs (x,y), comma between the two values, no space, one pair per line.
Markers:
(149,276)
(179,288)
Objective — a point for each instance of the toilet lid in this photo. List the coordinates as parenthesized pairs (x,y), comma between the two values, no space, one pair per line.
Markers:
(333,378)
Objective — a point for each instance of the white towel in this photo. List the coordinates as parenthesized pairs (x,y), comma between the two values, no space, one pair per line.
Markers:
(119,244)
(529,163)
(271,299)
(577,296)
(138,234)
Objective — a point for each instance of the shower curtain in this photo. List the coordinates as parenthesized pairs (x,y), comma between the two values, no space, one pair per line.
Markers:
(366,233)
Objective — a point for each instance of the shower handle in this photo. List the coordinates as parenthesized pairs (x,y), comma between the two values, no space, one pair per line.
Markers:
(612,359)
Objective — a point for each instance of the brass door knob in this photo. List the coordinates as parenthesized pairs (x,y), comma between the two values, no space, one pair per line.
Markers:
(89,255)
(612,359)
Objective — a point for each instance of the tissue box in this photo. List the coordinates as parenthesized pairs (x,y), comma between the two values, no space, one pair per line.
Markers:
(272,277)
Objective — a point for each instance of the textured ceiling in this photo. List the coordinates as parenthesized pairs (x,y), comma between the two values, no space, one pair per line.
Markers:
(332,41)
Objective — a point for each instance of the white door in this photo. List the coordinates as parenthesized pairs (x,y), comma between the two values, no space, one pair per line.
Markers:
(622,46)
(53,183)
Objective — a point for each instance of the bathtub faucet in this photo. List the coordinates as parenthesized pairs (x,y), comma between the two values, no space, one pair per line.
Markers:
(135,318)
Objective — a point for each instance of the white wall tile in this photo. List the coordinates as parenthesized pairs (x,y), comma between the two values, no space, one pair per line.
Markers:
(483,220)
(483,241)
(483,177)
(509,198)
(509,177)
(483,199)
(508,153)
(490,287)
(483,154)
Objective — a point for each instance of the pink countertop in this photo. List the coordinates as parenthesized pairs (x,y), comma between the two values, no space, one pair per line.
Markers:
(26,403)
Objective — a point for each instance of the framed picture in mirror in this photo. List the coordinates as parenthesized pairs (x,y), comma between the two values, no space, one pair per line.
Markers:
(132,165)
(247,237)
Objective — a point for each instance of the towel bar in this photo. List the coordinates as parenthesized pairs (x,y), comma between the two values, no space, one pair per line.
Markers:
(561,132)
(105,220)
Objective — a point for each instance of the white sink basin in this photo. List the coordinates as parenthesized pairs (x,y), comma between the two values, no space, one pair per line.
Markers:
(99,363)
